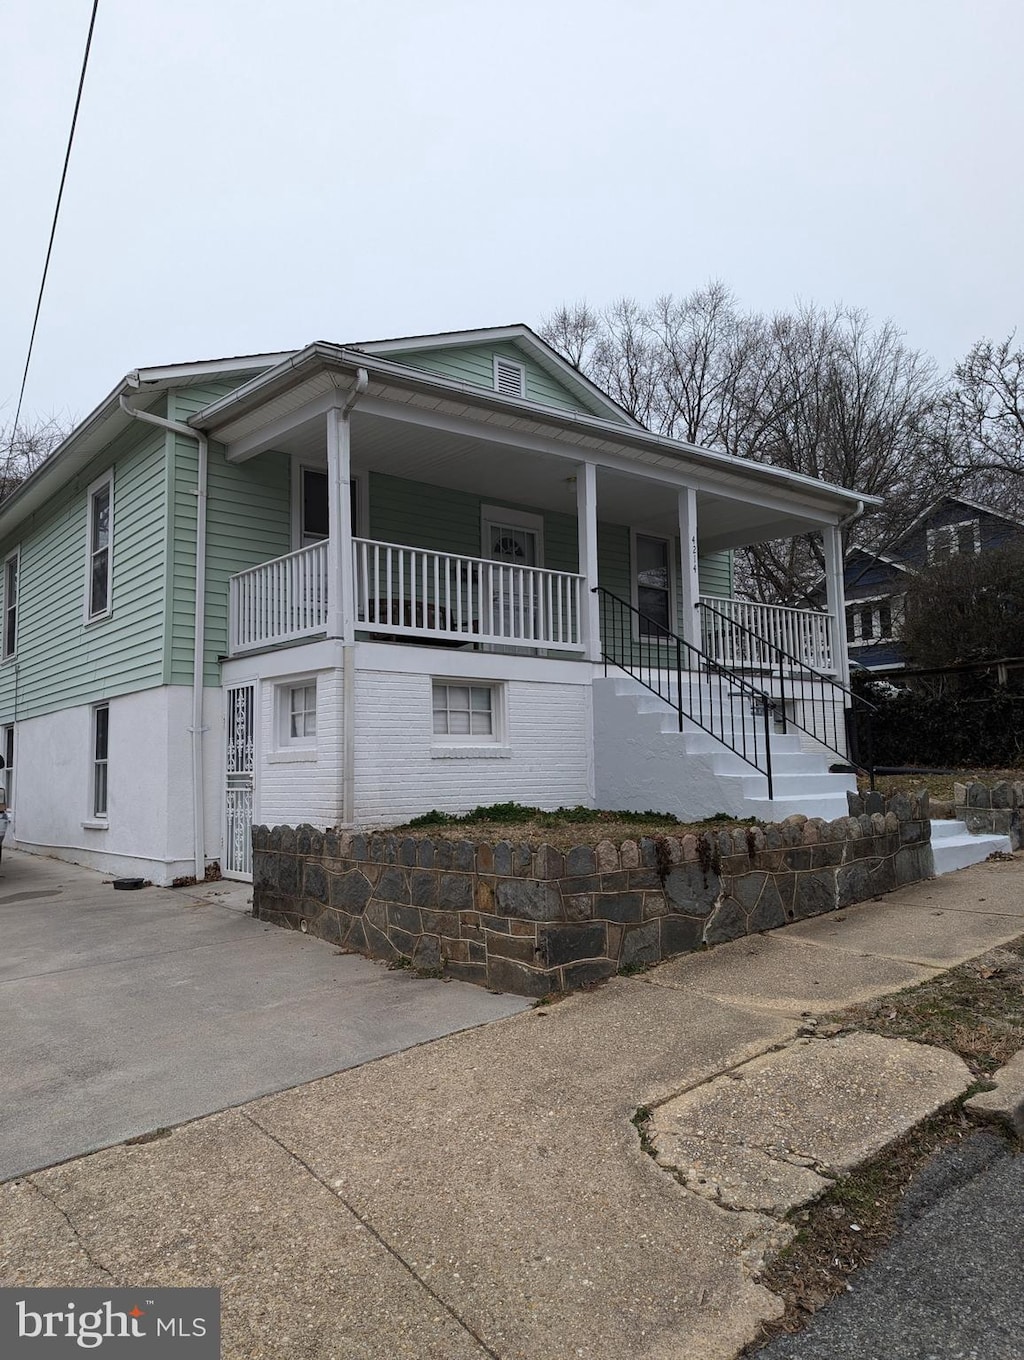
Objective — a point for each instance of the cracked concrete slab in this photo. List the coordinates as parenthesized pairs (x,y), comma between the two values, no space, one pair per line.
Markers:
(300,1275)
(786,974)
(1006,1102)
(918,933)
(774,1132)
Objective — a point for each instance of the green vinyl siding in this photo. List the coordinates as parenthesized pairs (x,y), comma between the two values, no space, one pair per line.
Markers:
(61,659)
(440,520)
(715,573)
(248,521)
(474,364)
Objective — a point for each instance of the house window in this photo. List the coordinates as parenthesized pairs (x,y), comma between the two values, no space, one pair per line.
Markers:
(295,708)
(100,738)
(302,712)
(101,505)
(952,540)
(11,604)
(653,586)
(7,774)
(465,713)
(314,522)
(509,378)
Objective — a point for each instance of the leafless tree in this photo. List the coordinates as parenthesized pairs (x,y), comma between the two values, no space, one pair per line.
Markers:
(24,449)
(983,409)
(818,391)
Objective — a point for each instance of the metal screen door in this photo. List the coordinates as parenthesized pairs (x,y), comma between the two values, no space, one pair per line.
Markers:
(239,780)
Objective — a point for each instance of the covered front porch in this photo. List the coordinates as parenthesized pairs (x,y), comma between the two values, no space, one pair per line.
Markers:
(406,593)
(443,522)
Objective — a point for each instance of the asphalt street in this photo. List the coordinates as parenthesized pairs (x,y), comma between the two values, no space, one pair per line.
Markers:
(951,1284)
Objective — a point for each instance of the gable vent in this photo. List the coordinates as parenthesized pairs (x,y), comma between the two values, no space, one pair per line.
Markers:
(509,378)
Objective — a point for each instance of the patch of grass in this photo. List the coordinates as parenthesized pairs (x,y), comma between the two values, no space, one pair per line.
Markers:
(976,1010)
(847,1228)
(564,827)
(938,785)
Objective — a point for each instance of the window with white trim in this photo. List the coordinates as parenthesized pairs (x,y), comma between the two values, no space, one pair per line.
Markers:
(100,748)
(296,711)
(100,548)
(11,571)
(7,773)
(653,585)
(509,377)
(465,712)
(871,622)
(954,540)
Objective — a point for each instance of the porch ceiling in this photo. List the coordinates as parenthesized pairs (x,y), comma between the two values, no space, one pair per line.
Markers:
(525,477)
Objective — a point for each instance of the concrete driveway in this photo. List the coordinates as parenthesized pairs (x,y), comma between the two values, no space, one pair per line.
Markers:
(125,1012)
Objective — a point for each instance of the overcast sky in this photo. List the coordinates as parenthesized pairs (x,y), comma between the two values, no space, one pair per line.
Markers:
(255,174)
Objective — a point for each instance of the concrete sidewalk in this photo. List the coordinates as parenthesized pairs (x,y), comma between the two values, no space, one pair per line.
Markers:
(487,1194)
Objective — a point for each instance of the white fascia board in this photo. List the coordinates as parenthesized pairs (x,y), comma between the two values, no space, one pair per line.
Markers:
(546,354)
(521,419)
(165,374)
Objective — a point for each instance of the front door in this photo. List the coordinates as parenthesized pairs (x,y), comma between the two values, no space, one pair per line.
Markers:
(516,543)
(239,771)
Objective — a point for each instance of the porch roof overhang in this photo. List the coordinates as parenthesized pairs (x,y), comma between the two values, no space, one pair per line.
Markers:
(447,422)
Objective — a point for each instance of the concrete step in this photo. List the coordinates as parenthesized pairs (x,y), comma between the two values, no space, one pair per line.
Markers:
(828,806)
(953,846)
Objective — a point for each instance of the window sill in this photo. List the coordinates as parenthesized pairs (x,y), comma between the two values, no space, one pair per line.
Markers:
(471,752)
(304,753)
(97,618)
(96,824)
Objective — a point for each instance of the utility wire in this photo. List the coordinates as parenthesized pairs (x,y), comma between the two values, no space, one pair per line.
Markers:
(53,228)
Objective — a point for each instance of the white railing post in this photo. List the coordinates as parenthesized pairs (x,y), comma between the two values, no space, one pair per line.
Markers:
(835,600)
(586,530)
(340,589)
(688,566)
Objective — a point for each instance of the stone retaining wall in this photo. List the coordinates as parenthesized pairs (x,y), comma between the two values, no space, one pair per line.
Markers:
(991,807)
(534,919)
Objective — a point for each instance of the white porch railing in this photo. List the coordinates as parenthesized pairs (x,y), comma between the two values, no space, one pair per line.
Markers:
(279,600)
(746,635)
(410,592)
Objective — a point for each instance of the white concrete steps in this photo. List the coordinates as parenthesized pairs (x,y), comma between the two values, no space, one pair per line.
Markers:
(643,760)
(954,847)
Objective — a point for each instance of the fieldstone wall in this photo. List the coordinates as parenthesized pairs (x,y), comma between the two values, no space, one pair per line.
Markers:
(534,919)
(991,807)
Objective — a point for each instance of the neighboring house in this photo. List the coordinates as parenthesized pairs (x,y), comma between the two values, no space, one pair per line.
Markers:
(876,583)
(347,584)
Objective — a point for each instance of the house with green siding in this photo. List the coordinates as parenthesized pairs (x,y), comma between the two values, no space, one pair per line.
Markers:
(347,584)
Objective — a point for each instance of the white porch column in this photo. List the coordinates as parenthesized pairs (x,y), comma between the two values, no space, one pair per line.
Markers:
(586,529)
(341,610)
(835,599)
(690,595)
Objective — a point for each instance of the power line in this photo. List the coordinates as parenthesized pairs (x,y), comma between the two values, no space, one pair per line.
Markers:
(53,228)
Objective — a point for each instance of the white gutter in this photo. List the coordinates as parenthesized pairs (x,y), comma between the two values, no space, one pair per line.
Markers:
(348,646)
(199,644)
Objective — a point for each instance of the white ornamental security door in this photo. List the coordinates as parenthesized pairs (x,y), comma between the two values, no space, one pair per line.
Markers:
(239,781)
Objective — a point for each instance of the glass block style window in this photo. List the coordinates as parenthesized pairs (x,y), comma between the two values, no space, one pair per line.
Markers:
(101,734)
(98,588)
(464,712)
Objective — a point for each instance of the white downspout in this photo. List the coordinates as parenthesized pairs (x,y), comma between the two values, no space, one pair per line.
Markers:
(199,644)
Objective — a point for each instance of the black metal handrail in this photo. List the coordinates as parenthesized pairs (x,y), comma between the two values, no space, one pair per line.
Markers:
(654,656)
(809,686)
